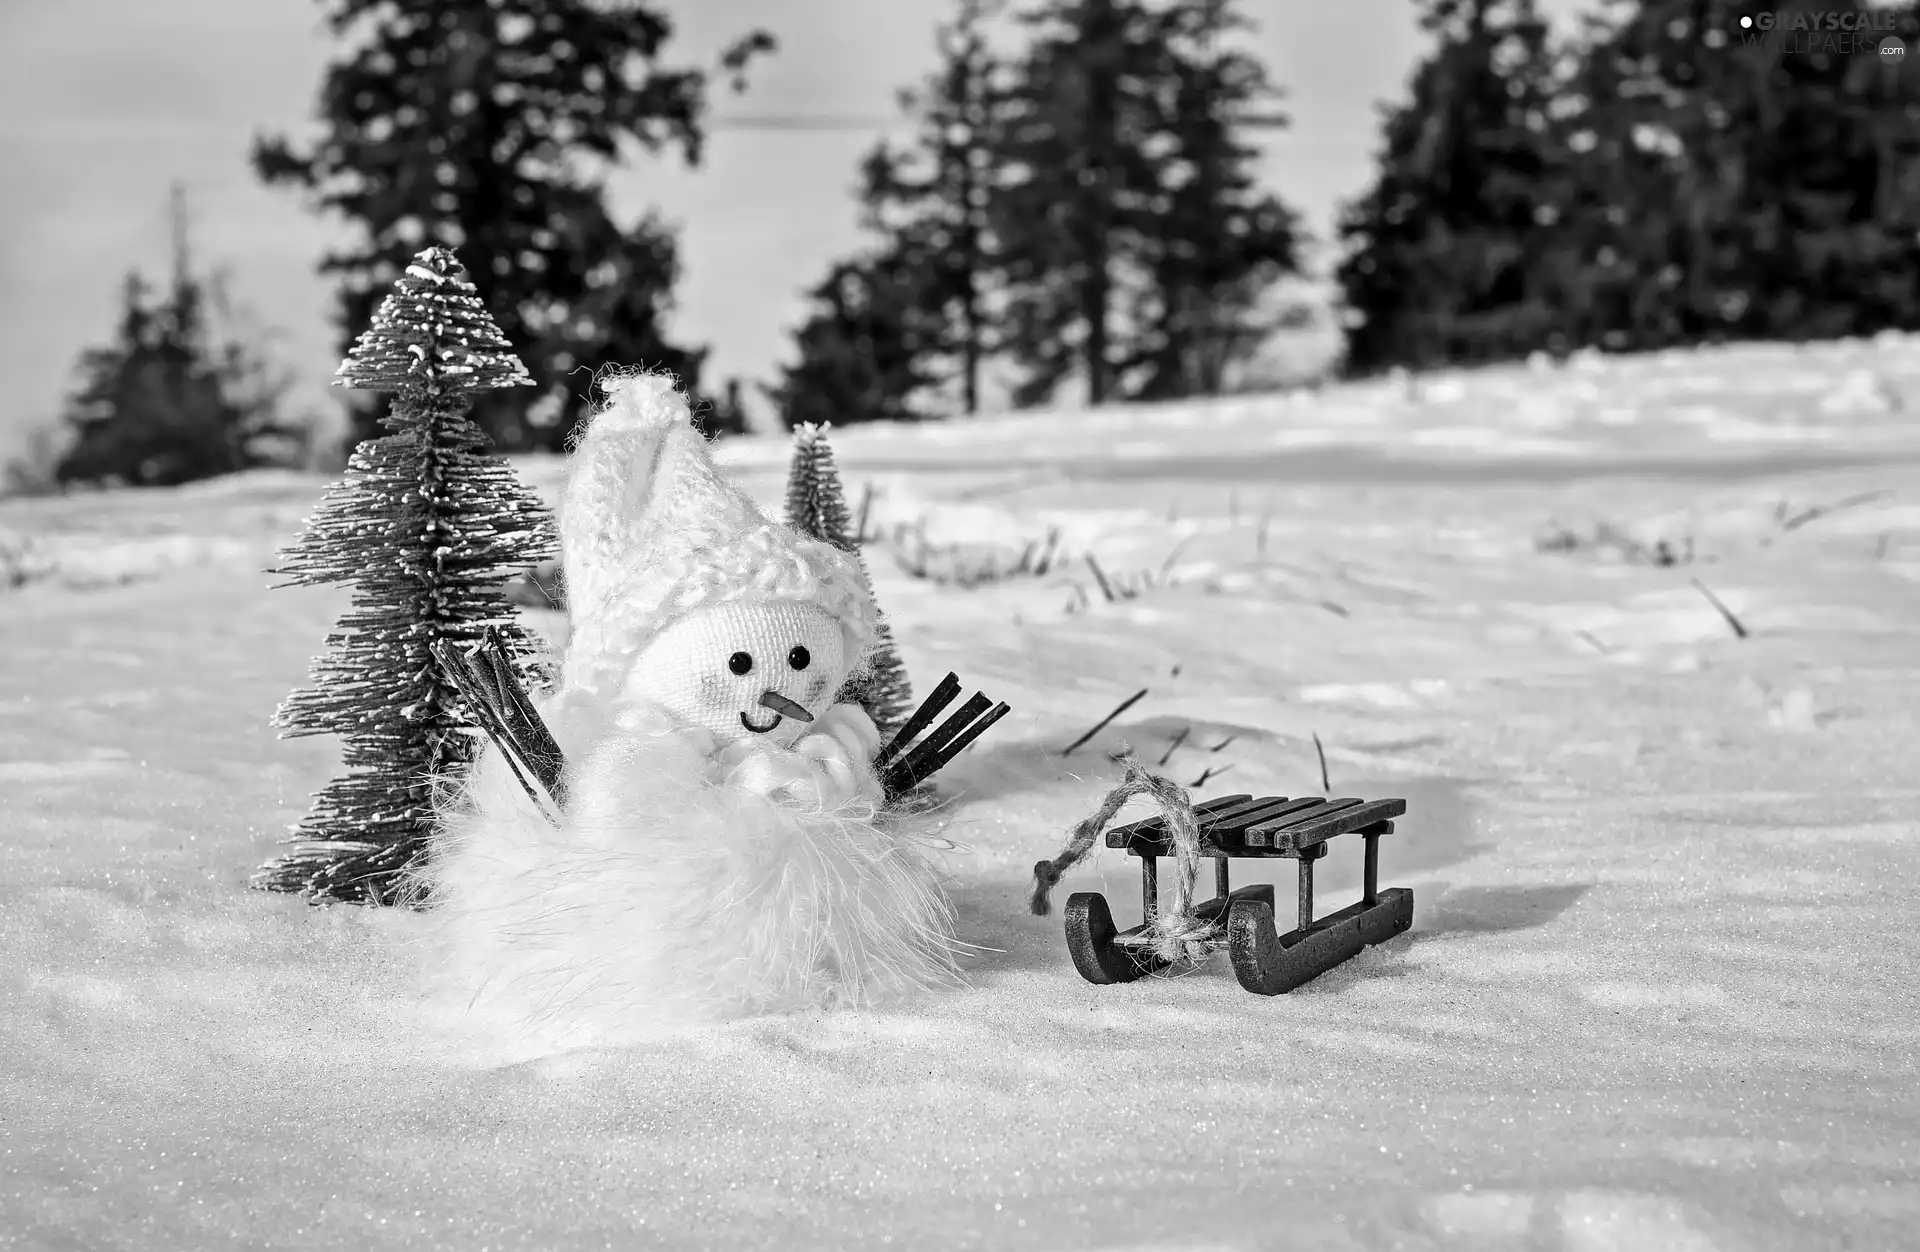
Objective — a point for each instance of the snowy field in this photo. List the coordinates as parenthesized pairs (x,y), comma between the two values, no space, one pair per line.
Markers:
(1659,994)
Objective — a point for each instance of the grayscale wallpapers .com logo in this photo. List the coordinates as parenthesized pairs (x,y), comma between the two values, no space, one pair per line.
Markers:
(1870,32)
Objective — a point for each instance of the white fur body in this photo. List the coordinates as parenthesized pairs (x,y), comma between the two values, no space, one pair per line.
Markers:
(689,880)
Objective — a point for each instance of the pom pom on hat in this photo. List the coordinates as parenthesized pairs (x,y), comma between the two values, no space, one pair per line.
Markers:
(650,532)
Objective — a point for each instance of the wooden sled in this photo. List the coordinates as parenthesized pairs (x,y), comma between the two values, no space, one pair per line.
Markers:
(1265,961)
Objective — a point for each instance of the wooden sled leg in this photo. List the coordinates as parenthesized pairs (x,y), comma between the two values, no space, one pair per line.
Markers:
(1093,940)
(1268,963)
(1215,910)
(1090,939)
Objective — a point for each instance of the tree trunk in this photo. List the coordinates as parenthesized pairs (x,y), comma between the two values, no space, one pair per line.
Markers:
(1096,288)
(970,240)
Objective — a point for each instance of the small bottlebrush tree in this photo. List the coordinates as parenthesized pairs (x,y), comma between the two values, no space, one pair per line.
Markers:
(425,526)
(817,505)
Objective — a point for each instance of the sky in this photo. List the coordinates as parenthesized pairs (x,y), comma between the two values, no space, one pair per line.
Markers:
(104,105)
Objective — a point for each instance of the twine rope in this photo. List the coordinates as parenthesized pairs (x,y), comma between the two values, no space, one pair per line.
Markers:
(1174,933)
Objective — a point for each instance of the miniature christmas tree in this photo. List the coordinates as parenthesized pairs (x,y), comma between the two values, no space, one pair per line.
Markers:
(817,505)
(426,526)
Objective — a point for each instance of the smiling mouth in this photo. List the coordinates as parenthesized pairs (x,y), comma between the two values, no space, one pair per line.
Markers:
(760,730)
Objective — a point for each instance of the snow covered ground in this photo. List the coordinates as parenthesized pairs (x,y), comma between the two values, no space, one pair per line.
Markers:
(1659,992)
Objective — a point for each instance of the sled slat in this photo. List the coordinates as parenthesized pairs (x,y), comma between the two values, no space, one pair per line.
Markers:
(1309,809)
(1223,830)
(1317,826)
(1216,820)
(1121,836)
(1233,827)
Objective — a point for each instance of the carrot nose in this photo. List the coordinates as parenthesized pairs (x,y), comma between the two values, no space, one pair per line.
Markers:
(780,704)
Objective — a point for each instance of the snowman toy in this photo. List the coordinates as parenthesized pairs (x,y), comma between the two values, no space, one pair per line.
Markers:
(743,680)
(723,850)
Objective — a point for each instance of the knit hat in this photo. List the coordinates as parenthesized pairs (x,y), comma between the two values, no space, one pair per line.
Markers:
(650,533)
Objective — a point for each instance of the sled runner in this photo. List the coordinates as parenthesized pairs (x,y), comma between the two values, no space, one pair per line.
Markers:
(1239,826)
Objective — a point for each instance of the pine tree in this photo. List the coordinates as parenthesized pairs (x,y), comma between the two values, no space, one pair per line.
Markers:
(491,125)
(902,329)
(425,526)
(929,199)
(817,505)
(1744,184)
(1067,219)
(866,347)
(165,403)
(1130,230)
(1443,249)
(1217,239)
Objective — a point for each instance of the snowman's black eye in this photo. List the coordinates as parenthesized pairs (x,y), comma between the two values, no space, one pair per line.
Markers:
(741,662)
(799,658)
